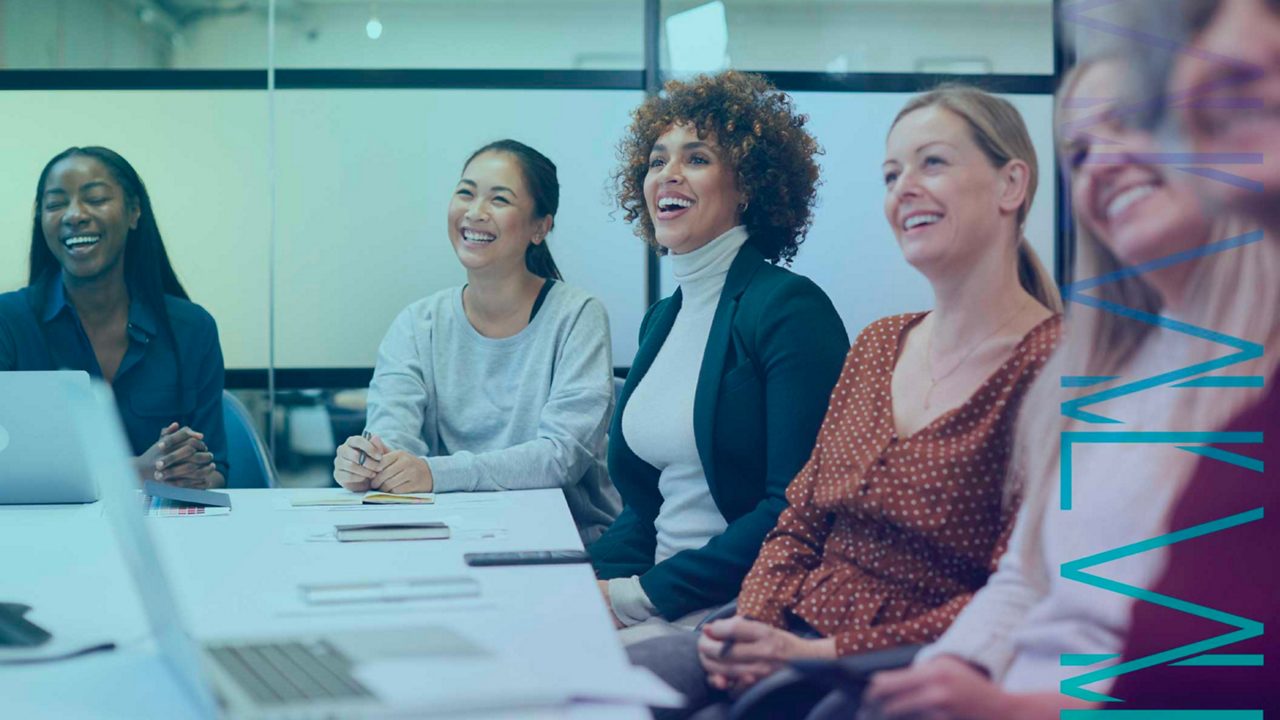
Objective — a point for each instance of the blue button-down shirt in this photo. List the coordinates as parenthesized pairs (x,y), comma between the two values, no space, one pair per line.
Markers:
(40,330)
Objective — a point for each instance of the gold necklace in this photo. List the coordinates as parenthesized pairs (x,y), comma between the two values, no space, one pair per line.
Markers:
(928,353)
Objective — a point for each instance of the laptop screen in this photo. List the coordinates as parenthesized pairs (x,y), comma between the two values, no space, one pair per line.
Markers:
(35,465)
(102,438)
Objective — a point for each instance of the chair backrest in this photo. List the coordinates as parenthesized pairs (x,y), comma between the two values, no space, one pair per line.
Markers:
(246,453)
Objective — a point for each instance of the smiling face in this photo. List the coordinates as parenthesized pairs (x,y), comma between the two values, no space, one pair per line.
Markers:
(1244,82)
(1140,211)
(943,196)
(690,190)
(491,219)
(86,217)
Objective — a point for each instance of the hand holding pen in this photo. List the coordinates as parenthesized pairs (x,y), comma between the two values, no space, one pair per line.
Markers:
(366,435)
(739,651)
(358,461)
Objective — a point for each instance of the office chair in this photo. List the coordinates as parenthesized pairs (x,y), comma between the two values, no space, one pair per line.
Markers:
(246,453)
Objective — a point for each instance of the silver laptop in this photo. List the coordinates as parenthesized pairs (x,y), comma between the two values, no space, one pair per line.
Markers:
(293,677)
(39,463)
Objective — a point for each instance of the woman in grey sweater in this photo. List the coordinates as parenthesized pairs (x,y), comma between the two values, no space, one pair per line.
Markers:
(506,382)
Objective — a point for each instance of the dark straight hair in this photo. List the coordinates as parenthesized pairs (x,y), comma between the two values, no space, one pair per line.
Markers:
(540,177)
(147,271)
(148,274)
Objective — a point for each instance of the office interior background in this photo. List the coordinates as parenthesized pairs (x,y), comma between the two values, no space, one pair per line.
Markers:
(300,154)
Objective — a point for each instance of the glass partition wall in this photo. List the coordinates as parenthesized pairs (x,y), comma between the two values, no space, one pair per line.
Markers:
(301,153)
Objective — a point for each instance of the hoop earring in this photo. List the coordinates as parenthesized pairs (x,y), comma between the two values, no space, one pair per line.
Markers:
(742,207)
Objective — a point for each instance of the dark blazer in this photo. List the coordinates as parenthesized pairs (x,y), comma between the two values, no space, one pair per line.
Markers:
(773,355)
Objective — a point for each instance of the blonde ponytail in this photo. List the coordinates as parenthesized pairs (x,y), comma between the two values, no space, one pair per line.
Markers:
(1035,278)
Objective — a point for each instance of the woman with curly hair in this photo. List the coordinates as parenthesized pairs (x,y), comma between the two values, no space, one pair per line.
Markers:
(904,507)
(731,380)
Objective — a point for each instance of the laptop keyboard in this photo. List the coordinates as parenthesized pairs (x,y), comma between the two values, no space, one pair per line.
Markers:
(290,672)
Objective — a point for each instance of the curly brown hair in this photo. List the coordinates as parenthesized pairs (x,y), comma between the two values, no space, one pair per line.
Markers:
(760,135)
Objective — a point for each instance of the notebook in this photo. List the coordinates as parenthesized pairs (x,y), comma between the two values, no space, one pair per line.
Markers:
(392,531)
(370,498)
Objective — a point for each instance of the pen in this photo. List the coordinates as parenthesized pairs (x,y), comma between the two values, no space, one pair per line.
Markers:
(728,643)
(366,435)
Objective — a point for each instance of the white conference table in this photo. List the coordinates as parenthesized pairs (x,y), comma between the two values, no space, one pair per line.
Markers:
(238,575)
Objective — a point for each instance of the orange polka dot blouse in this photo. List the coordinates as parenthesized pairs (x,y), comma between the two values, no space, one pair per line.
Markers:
(887,538)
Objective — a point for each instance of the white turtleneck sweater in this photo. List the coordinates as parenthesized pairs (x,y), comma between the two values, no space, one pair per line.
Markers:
(658,419)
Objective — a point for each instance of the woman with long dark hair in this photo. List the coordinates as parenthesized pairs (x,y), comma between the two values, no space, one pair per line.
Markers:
(506,382)
(102,297)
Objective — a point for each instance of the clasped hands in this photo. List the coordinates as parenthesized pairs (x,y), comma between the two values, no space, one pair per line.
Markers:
(755,651)
(181,458)
(945,688)
(380,467)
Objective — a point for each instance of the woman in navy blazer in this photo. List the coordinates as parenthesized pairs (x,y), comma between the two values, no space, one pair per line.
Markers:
(731,381)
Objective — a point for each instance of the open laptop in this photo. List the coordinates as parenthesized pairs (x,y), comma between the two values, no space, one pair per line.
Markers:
(39,462)
(287,677)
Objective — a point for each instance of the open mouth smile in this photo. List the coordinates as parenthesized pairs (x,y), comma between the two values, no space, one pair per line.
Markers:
(917,220)
(673,205)
(81,244)
(477,237)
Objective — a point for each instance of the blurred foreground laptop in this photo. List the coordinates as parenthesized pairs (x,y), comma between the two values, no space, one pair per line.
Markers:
(288,677)
(39,460)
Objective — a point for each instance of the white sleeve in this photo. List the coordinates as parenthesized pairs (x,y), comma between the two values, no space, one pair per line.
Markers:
(629,602)
(983,632)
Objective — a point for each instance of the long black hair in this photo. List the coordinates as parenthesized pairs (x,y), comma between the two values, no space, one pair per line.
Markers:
(148,275)
(147,271)
(540,176)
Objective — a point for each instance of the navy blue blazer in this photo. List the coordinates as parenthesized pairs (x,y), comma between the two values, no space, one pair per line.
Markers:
(773,355)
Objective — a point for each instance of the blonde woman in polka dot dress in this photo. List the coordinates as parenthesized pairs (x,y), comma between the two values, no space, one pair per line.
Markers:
(904,506)
(1002,657)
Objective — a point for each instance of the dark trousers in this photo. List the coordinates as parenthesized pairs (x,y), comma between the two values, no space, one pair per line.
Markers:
(674,658)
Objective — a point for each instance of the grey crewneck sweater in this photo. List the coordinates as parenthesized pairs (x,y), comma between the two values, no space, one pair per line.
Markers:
(658,419)
(522,412)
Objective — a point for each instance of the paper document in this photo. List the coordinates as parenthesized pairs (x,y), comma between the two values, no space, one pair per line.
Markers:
(397,590)
(369,498)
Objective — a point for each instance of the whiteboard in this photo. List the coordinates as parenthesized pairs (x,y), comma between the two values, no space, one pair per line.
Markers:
(203,158)
(365,180)
(364,177)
